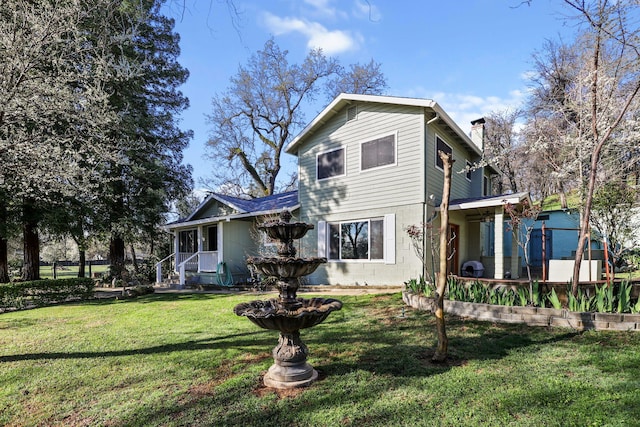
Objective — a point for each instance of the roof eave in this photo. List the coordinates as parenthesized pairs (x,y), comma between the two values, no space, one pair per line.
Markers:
(186,224)
(502,200)
(345,99)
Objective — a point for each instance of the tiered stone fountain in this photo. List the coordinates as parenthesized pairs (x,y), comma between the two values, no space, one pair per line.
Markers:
(288,313)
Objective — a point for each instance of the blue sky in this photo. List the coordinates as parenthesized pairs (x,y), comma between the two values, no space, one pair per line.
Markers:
(470,56)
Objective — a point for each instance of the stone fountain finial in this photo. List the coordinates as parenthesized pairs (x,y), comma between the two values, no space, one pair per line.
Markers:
(285,216)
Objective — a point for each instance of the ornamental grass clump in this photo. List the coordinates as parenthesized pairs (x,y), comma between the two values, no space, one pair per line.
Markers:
(420,286)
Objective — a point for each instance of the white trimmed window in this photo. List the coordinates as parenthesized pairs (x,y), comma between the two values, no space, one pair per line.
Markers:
(378,152)
(468,168)
(330,164)
(445,148)
(370,239)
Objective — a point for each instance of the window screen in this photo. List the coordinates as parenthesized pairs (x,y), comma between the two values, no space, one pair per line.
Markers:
(441,146)
(330,164)
(379,152)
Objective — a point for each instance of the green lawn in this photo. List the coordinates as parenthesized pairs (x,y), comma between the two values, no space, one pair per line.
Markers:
(46,271)
(182,360)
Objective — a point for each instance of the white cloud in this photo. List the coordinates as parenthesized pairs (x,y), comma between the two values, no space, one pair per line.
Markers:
(464,108)
(318,36)
(322,7)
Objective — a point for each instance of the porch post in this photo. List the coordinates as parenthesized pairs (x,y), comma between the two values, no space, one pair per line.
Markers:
(220,242)
(515,264)
(499,243)
(200,243)
(176,250)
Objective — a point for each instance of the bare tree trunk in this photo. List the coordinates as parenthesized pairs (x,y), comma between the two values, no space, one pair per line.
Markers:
(81,262)
(443,342)
(563,197)
(136,268)
(31,268)
(4,262)
(116,255)
(4,253)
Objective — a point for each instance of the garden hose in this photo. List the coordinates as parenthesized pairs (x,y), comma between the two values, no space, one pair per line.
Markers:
(222,269)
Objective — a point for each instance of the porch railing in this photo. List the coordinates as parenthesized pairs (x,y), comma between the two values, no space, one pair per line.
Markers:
(199,261)
(208,261)
(182,268)
(159,267)
(187,258)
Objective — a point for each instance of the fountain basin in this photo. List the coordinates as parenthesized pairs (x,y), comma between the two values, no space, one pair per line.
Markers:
(272,314)
(286,268)
(286,231)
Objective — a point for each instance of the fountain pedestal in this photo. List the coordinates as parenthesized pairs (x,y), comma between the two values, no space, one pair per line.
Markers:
(290,368)
(288,313)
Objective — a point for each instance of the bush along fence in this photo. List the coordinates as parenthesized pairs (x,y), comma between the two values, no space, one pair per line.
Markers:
(37,293)
(606,308)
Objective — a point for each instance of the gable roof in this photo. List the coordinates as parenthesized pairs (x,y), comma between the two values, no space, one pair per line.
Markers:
(244,207)
(345,99)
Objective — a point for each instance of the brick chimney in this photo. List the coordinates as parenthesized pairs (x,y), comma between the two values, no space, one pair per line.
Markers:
(477,132)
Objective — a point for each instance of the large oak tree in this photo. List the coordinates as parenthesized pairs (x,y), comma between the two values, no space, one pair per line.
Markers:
(262,110)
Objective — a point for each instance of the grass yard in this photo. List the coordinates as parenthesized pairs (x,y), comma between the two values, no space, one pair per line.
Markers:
(178,360)
(62,272)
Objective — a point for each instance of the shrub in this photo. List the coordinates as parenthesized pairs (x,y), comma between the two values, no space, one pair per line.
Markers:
(143,290)
(42,292)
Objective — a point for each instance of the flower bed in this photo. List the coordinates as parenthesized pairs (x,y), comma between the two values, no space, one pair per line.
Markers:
(533,316)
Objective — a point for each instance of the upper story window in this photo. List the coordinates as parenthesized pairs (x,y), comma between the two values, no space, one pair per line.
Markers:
(379,152)
(445,148)
(330,164)
(468,170)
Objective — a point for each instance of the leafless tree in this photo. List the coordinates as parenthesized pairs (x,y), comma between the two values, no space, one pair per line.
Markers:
(262,110)
(503,148)
(443,342)
(611,85)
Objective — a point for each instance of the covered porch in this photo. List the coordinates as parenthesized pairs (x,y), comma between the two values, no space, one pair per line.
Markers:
(197,249)
(210,246)
(482,229)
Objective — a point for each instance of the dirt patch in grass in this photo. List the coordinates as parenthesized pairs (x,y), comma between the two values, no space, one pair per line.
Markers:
(226,370)
(388,315)
(451,361)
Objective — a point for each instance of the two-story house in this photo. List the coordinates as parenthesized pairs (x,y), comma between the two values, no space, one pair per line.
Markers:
(368,169)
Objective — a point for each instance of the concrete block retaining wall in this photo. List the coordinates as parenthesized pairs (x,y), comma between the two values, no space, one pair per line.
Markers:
(532,316)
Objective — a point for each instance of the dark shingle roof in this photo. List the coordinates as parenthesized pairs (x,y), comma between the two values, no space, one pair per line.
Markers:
(274,202)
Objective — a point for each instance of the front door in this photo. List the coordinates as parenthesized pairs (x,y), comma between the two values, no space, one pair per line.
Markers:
(453,252)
